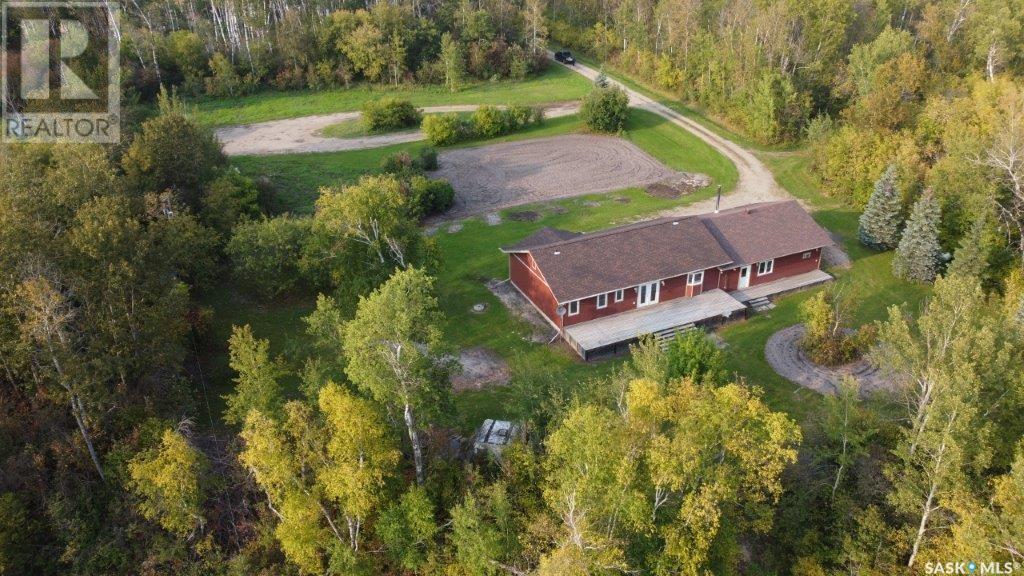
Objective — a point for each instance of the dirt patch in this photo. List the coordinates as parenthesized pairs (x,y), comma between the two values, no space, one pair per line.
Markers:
(524,216)
(834,256)
(454,227)
(541,331)
(481,367)
(499,176)
(784,354)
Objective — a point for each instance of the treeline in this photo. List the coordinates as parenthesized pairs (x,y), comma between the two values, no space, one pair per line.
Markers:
(231,48)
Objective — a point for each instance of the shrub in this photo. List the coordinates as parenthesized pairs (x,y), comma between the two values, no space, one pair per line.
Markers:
(398,163)
(693,355)
(265,253)
(442,129)
(606,109)
(390,114)
(225,80)
(826,340)
(230,198)
(489,122)
(427,159)
(430,196)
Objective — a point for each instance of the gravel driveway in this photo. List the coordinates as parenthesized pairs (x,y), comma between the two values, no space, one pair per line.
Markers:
(301,135)
(493,177)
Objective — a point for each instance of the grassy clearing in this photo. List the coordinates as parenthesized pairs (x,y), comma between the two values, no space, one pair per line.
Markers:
(554,85)
(299,177)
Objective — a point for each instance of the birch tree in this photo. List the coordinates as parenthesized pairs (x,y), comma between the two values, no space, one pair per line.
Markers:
(397,354)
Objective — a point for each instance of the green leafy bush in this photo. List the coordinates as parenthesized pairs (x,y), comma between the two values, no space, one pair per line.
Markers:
(427,159)
(489,122)
(443,129)
(605,109)
(430,196)
(389,114)
(265,254)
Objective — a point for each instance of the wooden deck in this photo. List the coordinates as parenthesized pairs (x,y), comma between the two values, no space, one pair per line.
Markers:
(627,326)
(782,286)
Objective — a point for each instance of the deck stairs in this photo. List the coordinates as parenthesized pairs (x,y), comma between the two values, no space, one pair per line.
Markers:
(665,337)
(762,304)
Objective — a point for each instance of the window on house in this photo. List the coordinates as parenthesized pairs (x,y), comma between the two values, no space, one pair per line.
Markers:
(765,267)
(695,278)
(602,301)
(807,255)
(620,295)
(574,307)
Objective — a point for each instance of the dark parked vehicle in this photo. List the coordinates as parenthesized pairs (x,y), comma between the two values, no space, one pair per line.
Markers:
(565,57)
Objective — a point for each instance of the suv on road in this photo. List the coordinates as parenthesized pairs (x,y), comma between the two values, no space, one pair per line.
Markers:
(565,57)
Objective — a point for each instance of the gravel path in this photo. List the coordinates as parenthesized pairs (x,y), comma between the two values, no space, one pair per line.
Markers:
(488,178)
(784,354)
(755,184)
(301,135)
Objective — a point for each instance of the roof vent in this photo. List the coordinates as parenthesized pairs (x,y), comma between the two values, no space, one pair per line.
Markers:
(557,252)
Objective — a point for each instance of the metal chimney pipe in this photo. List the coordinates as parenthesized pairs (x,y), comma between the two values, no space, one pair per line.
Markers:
(718,199)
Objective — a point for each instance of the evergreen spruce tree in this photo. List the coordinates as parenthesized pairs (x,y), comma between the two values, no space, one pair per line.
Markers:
(918,254)
(971,255)
(880,222)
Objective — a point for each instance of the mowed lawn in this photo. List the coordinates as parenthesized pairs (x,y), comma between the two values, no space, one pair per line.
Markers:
(471,258)
(299,177)
(556,84)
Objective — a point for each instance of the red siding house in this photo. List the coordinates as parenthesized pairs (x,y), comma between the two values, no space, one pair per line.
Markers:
(604,289)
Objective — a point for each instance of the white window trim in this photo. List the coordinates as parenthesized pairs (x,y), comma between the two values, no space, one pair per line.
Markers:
(602,301)
(806,255)
(699,278)
(620,295)
(574,304)
(768,265)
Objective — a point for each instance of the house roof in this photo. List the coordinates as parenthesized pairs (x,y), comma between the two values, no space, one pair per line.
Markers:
(604,261)
(583,265)
(545,235)
(764,231)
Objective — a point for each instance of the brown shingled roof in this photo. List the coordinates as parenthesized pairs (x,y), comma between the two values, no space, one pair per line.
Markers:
(764,231)
(626,256)
(545,235)
(582,265)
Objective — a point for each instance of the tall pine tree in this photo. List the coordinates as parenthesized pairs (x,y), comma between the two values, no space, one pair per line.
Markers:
(971,256)
(880,222)
(918,255)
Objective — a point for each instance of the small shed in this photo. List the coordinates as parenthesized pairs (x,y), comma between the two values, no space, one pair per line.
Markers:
(493,436)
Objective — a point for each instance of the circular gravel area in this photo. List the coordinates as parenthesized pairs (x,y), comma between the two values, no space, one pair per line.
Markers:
(488,178)
(784,354)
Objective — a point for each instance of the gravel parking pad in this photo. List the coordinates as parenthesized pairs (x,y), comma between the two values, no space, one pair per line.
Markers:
(488,178)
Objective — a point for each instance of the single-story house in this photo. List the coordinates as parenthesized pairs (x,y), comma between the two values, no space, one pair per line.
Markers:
(605,289)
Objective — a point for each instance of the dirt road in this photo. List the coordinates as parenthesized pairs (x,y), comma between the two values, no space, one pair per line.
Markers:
(755,184)
(301,135)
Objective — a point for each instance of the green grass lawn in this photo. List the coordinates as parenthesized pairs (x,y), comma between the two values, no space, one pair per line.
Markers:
(554,85)
(471,257)
(299,177)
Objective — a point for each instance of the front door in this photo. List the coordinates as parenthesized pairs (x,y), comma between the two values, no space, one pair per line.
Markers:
(647,294)
(744,278)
